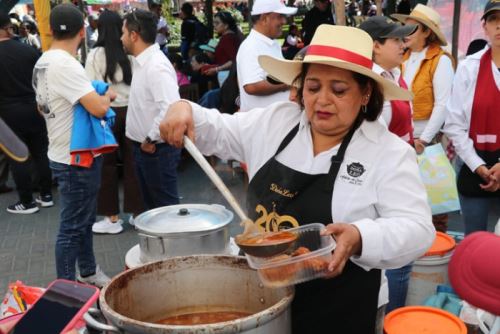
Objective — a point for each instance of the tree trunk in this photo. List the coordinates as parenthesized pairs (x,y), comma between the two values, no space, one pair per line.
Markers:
(456,28)
(209,16)
(379,7)
(339,11)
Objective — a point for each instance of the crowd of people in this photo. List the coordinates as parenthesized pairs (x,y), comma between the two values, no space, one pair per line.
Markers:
(338,124)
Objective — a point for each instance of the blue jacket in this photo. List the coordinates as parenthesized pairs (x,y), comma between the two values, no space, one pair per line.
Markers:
(91,135)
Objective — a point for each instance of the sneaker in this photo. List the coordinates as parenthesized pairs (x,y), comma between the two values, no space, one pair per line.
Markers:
(131,220)
(45,201)
(105,226)
(99,279)
(23,208)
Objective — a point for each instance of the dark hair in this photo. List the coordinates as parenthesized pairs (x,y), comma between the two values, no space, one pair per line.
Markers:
(143,23)
(475,46)
(4,20)
(432,38)
(176,59)
(228,19)
(187,8)
(109,31)
(255,18)
(201,58)
(374,106)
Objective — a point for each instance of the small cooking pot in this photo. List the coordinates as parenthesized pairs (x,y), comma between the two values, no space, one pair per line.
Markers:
(184,229)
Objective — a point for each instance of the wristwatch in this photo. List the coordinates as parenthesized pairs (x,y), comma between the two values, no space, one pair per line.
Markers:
(149,140)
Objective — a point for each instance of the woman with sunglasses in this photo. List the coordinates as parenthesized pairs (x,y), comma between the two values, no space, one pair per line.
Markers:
(334,164)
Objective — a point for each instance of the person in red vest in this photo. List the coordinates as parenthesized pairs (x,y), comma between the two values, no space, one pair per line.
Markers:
(388,51)
(473,124)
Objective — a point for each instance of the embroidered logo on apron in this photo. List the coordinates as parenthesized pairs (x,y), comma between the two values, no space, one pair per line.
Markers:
(272,221)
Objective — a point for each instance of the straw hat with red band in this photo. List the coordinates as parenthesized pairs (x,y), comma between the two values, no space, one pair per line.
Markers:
(338,46)
(428,17)
(474,271)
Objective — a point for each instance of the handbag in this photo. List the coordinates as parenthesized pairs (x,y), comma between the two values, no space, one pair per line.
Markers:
(439,180)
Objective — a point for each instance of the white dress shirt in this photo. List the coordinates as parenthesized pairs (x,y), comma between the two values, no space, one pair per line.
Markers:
(387,203)
(459,107)
(153,89)
(249,70)
(441,84)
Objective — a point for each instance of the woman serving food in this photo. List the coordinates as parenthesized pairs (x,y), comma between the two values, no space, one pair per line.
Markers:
(326,159)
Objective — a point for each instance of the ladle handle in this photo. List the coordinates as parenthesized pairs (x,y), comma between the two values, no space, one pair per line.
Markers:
(200,159)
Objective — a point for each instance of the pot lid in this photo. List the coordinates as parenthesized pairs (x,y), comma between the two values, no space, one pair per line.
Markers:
(183,218)
(443,244)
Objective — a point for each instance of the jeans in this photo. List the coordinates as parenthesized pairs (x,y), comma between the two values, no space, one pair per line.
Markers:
(475,212)
(30,127)
(211,99)
(398,280)
(78,187)
(474,209)
(157,175)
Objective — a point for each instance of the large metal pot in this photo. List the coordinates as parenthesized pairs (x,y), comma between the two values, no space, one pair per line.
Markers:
(137,298)
(185,229)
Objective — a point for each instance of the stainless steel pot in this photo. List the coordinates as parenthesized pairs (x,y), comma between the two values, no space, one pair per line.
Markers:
(185,229)
(135,299)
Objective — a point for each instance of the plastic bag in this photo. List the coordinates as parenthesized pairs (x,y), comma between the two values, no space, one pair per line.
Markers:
(439,180)
(19,298)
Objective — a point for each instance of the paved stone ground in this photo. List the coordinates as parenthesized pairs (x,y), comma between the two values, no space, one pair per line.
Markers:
(27,241)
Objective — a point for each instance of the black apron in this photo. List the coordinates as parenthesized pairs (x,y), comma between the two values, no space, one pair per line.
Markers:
(279,198)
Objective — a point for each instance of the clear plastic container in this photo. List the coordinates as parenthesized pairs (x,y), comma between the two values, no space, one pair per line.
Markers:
(296,266)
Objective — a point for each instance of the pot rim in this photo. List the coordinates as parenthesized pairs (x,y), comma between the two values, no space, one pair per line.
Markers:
(240,323)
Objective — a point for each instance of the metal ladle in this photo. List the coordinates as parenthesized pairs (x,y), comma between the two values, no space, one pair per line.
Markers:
(250,229)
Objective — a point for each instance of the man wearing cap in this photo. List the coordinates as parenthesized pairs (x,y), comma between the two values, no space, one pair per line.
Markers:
(153,89)
(320,14)
(60,83)
(255,91)
(19,110)
(388,51)
(473,124)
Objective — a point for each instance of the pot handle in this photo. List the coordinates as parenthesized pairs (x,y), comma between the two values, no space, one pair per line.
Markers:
(146,239)
(91,322)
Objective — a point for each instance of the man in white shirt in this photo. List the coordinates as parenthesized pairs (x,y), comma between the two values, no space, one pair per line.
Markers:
(163,30)
(153,89)
(60,83)
(255,91)
(91,30)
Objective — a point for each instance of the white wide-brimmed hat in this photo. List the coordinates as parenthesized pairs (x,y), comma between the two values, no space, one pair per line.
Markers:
(428,17)
(338,46)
